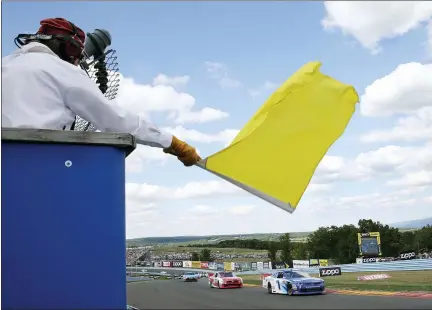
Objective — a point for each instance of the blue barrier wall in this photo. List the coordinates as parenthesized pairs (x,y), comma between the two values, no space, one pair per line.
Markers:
(59,229)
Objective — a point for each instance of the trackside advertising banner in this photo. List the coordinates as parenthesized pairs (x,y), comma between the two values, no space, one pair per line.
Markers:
(157,264)
(330,271)
(166,264)
(246,266)
(187,264)
(368,260)
(323,262)
(407,255)
(314,262)
(204,265)
(196,264)
(212,266)
(260,265)
(266,265)
(300,263)
(220,266)
(278,265)
(227,266)
(177,264)
(254,266)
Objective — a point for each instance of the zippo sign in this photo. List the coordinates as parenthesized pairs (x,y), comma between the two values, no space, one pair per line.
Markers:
(369,260)
(330,272)
(409,255)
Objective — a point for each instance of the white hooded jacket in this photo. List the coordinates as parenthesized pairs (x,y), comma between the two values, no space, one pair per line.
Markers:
(41,91)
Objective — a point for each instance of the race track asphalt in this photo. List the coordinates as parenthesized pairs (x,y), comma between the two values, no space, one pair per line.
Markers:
(175,294)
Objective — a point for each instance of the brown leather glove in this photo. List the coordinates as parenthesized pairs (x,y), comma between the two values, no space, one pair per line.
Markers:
(184,152)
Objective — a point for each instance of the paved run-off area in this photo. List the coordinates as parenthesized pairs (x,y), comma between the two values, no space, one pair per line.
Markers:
(175,294)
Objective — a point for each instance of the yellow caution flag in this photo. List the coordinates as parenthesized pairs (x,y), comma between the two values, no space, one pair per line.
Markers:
(276,153)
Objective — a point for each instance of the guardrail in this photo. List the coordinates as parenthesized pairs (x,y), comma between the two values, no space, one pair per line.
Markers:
(135,279)
(407,265)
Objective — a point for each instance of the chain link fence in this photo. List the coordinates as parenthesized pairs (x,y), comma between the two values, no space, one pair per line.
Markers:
(105,74)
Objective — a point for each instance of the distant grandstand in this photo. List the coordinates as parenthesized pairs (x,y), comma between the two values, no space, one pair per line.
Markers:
(133,255)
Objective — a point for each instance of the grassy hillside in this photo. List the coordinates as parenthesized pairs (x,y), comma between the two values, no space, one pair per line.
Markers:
(186,240)
(295,236)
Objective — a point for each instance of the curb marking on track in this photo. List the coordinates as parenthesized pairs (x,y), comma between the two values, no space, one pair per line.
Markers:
(369,293)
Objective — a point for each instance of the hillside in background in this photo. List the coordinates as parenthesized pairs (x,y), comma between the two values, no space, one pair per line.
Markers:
(295,236)
(416,224)
(184,240)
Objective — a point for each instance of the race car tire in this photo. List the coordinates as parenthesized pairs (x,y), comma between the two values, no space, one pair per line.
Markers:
(218,285)
(210,284)
(289,289)
(269,289)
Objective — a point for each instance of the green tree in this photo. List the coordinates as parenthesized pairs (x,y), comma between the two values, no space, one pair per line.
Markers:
(205,255)
(423,241)
(272,250)
(195,256)
(344,242)
(300,250)
(285,248)
(320,243)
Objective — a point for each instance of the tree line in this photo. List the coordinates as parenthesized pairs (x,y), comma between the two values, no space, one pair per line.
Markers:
(339,243)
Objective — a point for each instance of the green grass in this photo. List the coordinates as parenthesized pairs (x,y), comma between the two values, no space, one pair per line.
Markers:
(400,281)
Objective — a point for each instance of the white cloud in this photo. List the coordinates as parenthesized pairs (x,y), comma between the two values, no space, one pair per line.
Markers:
(411,128)
(369,22)
(429,41)
(142,156)
(337,168)
(220,72)
(366,201)
(202,210)
(144,99)
(202,116)
(407,167)
(174,81)
(407,90)
(151,193)
(397,159)
(241,209)
(225,136)
(414,179)
(266,86)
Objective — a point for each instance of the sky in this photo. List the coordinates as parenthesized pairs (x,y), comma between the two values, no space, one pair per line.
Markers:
(201,69)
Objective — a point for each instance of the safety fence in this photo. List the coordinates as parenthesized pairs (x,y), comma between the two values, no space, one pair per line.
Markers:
(137,279)
(403,265)
(238,266)
(408,265)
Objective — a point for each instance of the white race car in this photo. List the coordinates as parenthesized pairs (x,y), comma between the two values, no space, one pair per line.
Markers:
(290,282)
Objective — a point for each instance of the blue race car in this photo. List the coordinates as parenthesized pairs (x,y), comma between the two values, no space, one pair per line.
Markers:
(190,277)
(289,282)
